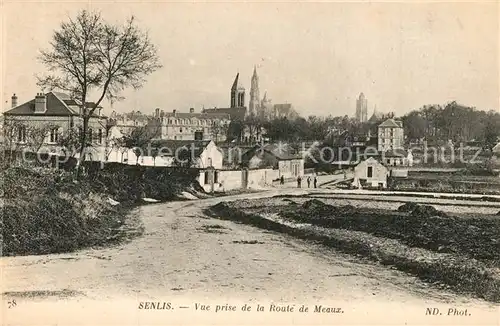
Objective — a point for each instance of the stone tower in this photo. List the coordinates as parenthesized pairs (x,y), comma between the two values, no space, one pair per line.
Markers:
(362,108)
(254,94)
(237,93)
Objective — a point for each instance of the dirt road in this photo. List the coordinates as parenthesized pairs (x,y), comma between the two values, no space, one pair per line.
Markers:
(184,254)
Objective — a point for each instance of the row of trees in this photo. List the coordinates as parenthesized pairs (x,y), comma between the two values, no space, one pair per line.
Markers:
(453,122)
(311,128)
(432,123)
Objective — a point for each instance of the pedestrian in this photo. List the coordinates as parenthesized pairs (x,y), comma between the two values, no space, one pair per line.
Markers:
(282,180)
(308,182)
(315,182)
(299,181)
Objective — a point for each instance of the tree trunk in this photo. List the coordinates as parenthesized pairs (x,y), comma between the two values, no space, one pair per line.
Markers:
(83,140)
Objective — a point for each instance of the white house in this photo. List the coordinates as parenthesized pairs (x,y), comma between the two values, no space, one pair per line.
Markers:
(371,173)
(202,154)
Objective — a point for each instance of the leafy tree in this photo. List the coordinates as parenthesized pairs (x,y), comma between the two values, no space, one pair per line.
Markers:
(89,55)
(491,132)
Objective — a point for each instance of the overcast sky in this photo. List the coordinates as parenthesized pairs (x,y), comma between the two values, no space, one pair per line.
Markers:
(317,56)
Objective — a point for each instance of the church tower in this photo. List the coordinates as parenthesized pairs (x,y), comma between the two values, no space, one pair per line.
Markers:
(254,93)
(237,93)
(362,109)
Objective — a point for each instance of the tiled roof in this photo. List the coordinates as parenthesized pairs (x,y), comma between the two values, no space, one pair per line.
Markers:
(390,123)
(234,113)
(58,104)
(281,152)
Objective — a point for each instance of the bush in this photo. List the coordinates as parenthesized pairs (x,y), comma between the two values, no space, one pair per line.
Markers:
(425,211)
(407,207)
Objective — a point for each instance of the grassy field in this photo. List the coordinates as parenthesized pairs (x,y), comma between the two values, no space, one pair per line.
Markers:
(457,252)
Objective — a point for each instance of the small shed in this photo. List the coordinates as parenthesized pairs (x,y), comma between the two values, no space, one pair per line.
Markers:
(371,173)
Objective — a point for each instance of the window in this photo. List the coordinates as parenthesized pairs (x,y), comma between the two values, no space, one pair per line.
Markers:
(370,172)
(99,136)
(90,135)
(216,177)
(21,136)
(180,129)
(54,135)
(206,178)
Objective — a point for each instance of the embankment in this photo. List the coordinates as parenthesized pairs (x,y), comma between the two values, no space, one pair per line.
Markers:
(46,211)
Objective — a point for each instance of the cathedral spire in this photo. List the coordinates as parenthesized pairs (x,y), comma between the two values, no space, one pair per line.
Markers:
(254,104)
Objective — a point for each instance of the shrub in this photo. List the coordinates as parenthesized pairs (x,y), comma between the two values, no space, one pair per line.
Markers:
(407,207)
(424,211)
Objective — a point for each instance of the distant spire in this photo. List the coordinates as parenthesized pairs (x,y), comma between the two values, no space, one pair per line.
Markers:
(254,70)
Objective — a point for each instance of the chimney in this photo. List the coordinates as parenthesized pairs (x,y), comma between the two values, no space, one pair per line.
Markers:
(40,103)
(174,112)
(157,112)
(191,110)
(14,100)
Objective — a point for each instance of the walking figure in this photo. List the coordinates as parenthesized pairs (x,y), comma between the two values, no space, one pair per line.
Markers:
(308,182)
(315,182)
(299,180)
(282,180)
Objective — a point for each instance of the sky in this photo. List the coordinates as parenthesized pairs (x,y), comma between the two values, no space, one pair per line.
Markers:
(317,56)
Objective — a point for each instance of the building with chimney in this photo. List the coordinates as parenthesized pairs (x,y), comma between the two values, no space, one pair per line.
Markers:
(57,113)
(390,136)
(254,105)
(362,109)
(191,125)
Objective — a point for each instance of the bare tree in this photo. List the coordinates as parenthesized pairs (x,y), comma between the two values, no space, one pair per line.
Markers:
(12,130)
(139,137)
(71,142)
(218,128)
(90,55)
(36,136)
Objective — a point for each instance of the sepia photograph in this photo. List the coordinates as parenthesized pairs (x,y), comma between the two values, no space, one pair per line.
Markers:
(250,163)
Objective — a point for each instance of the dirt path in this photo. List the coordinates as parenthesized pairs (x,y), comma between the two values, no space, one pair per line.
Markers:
(184,254)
